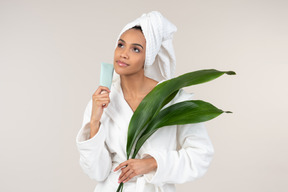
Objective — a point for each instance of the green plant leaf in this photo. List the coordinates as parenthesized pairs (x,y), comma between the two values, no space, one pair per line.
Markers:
(162,94)
(186,112)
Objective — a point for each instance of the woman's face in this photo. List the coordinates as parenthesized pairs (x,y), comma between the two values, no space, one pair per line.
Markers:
(129,55)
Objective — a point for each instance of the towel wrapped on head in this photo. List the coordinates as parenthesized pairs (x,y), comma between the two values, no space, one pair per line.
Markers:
(160,58)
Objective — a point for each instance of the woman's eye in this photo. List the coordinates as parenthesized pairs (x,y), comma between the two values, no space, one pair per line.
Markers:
(120,45)
(136,50)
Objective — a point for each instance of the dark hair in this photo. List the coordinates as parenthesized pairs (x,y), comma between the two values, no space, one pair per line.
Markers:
(137,27)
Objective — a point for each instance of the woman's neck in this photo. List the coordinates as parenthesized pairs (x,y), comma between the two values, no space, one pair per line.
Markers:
(136,86)
(133,86)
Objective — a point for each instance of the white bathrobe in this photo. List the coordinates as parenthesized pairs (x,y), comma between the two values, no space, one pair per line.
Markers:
(183,153)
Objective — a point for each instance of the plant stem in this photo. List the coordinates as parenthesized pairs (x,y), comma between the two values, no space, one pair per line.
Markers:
(120,187)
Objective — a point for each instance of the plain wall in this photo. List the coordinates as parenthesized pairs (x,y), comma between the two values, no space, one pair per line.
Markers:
(50,55)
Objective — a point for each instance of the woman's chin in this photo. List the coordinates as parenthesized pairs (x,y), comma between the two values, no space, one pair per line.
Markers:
(122,73)
(128,72)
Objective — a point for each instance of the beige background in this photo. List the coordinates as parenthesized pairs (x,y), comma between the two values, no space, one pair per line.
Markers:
(49,68)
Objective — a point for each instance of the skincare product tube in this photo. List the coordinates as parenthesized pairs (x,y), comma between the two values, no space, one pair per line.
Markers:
(106,75)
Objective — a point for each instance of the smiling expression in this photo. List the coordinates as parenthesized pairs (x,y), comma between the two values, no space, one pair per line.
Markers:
(129,55)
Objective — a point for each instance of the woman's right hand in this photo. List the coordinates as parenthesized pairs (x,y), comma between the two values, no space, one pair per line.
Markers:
(100,100)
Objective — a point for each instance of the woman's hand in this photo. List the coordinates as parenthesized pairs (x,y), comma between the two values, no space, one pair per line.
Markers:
(133,167)
(100,100)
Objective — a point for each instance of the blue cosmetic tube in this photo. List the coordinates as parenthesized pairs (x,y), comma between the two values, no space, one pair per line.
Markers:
(106,74)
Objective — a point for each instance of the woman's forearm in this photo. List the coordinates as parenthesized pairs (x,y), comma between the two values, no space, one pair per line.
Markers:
(94,128)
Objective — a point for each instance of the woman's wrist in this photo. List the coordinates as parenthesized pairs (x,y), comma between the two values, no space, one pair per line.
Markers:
(153,163)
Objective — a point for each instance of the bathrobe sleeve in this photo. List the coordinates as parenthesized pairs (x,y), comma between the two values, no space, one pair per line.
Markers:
(95,158)
(189,162)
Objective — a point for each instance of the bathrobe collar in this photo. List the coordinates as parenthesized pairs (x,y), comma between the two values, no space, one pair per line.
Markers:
(118,109)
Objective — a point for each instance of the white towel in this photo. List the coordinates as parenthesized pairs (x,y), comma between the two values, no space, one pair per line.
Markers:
(160,58)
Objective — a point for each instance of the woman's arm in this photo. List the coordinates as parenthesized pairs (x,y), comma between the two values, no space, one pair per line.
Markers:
(100,100)
(95,158)
(186,164)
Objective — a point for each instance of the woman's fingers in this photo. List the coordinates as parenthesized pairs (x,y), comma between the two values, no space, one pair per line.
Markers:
(127,170)
(127,176)
(100,89)
(124,173)
(104,95)
(101,97)
(99,102)
(125,163)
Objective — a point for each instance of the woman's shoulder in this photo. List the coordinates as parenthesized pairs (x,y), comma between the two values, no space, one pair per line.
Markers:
(151,84)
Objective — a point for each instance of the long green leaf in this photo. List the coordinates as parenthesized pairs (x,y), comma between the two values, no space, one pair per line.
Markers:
(186,112)
(162,94)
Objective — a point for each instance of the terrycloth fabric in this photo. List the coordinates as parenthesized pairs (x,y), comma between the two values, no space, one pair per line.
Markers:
(182,152)
(160,58)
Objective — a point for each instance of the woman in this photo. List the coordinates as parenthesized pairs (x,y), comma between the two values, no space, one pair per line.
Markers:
(144,57)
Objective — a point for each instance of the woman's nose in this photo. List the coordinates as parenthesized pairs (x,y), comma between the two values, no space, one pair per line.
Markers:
(124,53)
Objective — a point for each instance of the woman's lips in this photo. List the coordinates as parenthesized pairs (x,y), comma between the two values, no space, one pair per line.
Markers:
(122,64)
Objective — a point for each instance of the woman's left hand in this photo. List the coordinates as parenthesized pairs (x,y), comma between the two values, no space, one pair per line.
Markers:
(133,167)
